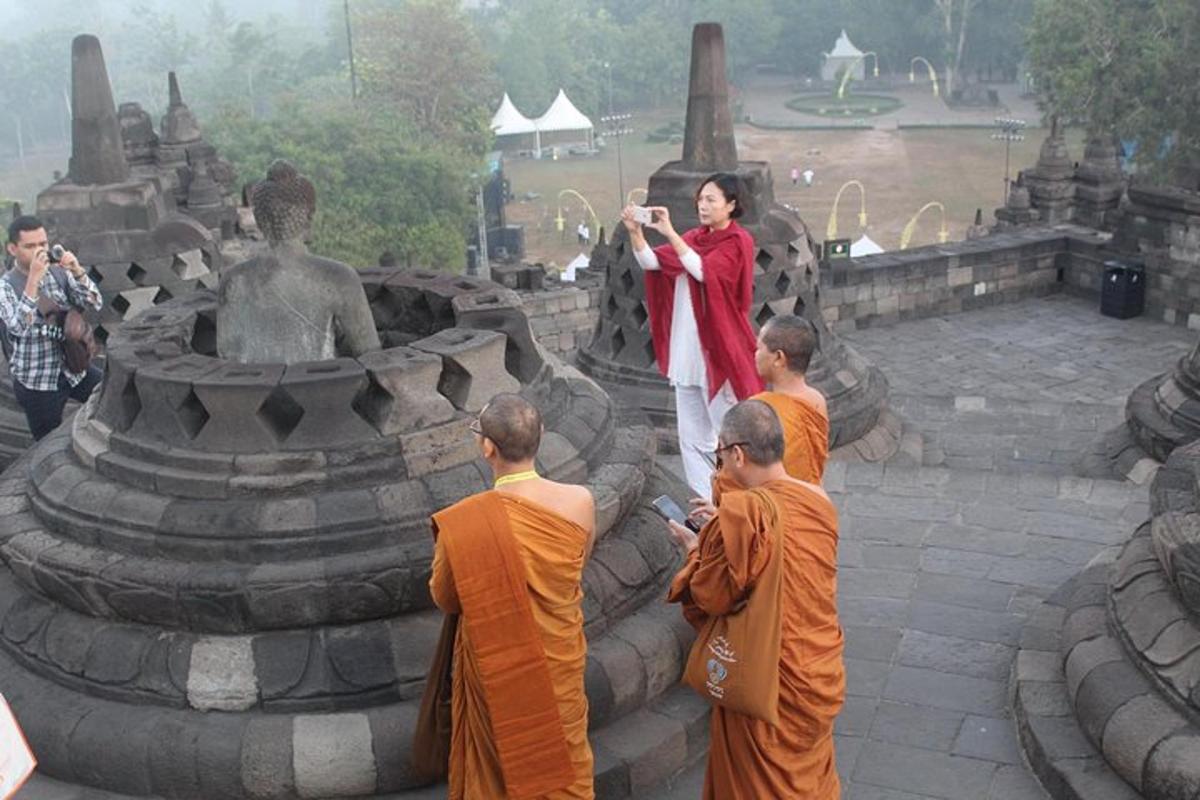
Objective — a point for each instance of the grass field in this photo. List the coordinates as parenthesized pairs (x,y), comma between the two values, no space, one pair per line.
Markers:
(901,169)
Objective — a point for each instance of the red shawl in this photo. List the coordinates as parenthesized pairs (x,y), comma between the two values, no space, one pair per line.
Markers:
(721,304)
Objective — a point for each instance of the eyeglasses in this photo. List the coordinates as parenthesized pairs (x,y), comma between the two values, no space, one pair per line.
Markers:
(713,457)
(476,427)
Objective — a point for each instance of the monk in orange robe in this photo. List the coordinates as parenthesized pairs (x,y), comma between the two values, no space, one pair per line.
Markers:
(749,759)
(785,349)
(509,561)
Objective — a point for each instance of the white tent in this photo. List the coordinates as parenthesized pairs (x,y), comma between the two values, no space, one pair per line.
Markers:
(579,262)
(563,117)
(844,55)
(508,121)
(865,246)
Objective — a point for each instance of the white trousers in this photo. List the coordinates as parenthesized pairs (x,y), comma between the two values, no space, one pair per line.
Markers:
(699,423)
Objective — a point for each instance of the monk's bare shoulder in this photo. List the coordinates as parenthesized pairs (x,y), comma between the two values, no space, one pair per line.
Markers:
(574,502)
(814,398)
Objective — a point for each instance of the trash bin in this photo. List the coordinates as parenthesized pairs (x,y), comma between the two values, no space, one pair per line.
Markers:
(1123,294)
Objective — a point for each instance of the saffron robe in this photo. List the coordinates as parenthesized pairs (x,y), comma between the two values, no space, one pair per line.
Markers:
(552,550)
(721,303)
(749,759)
(805,435)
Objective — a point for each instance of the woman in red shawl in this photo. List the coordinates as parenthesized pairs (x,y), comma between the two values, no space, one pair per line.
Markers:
(698,291)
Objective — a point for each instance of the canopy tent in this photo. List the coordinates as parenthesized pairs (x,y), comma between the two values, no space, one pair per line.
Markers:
(511,124)
(865,246)
(580,261)
(843,56)
(562,123)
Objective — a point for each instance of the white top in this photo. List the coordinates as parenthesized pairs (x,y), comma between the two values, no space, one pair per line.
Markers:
(685,359)
(562,115)
(508,121)
(844,48)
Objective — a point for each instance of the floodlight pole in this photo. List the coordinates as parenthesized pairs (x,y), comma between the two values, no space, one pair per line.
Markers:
(350,48)
(1010,131)
(616,127)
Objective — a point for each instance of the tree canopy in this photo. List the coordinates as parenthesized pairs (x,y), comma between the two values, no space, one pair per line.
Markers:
(1120,69)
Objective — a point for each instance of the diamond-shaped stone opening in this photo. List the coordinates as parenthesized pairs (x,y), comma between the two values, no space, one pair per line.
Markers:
(280,413)
(648,349)
(161,296)
(612,305)
(764,315)
(204,334)
(798,309)
(783,283)
(639,315)
(793,253)
(130,405)
(136,274)
(101,334)
(95,275)
(374,404)
(192,415)
(627,280)
(120,305)
(455,383)
(618,342)
(763,259)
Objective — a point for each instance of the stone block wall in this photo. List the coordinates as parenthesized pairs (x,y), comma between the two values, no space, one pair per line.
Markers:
(947,279)
(563,318)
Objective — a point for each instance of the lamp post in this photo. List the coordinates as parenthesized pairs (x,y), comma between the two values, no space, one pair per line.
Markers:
(1008,131)
(617,126)
(831,228)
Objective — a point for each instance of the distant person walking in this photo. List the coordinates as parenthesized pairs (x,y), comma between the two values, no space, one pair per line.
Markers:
(584,234)
(795,175)
(699,287)
(808,177)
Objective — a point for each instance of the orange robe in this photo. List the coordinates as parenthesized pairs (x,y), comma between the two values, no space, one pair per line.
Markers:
(805,441)
(552,550)
(749,759)
(805,435)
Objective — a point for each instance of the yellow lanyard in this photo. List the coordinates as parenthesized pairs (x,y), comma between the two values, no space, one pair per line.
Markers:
(516,477)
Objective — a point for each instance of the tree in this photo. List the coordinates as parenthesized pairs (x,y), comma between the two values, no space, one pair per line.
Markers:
(1119,68)
(427,61)
(954,16)
(379,186)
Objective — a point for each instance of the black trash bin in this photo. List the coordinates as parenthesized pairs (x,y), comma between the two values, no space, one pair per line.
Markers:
(1123,294)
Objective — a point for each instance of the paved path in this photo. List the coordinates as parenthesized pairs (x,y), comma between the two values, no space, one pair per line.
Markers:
(942,562)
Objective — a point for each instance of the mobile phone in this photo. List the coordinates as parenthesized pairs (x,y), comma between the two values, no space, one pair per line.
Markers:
(643,215)
(669,509)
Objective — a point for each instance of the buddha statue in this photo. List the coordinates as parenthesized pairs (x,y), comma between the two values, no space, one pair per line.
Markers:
(287,305)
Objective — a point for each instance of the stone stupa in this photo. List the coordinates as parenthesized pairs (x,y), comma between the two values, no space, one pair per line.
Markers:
(621,355)
(213,583)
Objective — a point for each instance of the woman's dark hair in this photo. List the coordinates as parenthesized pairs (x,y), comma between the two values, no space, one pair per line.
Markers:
(730,186)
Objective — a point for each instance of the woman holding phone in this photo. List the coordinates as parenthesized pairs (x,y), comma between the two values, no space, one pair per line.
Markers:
(699,287)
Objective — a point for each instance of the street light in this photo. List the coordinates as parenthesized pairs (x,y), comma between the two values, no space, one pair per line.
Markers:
(1009,131)
(616,126)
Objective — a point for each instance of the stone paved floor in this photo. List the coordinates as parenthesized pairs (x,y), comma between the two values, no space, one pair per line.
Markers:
(941,562)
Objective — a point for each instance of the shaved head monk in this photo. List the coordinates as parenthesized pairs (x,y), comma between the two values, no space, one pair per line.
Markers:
(748,758)
(509,561)
(785,348)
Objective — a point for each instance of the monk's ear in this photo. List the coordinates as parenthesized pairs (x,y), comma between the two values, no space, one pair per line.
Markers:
(487,448)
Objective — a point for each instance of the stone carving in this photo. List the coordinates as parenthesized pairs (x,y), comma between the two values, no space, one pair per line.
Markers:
(621,355)
(286,305)
(254,539)
(1051,188)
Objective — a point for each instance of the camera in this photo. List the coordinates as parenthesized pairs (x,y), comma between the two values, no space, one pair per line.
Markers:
(643,215)
(55,254)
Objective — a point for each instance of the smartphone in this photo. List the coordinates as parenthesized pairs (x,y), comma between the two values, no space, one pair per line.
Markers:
(643,215)
(669,509)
